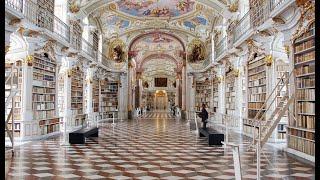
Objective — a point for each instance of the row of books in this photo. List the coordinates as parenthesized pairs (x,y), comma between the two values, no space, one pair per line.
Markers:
(252,114)
(76,111)
(305,45)
(305,121)
(43,97)
(49,129)
(282,68)
(256,97)
(76,93)
(256,64)
(307,34)
(41,58)
(43,114)
(257,82)
(49,84)
(77,84)
(259,69)
(305,82)
(111,108)
(306,107)
(305,57)
(41,77)
(306,94)
(40,71)
(43,90)
(309,68)
(230,106)
(45,62)
(43,106)
(109,103)
(258,89)
(255,105)
(48,121)
(43,67)
(302,145)
(301,133)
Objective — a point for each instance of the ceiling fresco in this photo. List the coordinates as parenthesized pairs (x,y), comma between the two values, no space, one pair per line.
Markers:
(155,8)
(156,43)
(123,17)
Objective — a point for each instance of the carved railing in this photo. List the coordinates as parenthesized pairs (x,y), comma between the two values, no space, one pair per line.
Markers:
(88,49)
(276,3)
(15,4)
(242,27)
(221,47)
(61,29)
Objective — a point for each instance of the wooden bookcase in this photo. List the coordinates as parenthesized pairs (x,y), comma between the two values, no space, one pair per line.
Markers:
(301,129)
(203,95)
(230,93)
(44,93)
(17,99)
(281,69)
(77,96)
(95,95)
(257,88)
(215,105)
(109,99)
(45,14)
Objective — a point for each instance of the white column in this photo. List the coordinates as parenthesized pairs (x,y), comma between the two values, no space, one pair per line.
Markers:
(184,83)
(123,100)
(89,87)
(26,90)
(67,94)
(177,92)
(221,92)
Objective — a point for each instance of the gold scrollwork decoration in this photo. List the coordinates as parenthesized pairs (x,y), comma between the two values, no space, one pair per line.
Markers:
(268,59)
(236,72)
(29,60)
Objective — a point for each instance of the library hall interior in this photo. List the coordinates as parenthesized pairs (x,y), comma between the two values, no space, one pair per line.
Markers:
(160,89)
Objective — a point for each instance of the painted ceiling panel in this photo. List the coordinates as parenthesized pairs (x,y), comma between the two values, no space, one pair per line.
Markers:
(156,8)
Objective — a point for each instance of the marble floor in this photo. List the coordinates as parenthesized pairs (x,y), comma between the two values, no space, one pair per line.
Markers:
(158,147)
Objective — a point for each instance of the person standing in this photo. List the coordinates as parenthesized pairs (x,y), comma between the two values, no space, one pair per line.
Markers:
(204,116)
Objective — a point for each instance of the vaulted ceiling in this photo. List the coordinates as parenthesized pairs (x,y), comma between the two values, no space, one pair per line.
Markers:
(158,30)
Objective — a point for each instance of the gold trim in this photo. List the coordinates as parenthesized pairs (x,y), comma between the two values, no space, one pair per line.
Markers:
(7,48)
(268,59)
(28,60)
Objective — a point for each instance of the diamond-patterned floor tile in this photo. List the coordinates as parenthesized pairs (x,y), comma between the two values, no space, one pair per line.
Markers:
(154,147)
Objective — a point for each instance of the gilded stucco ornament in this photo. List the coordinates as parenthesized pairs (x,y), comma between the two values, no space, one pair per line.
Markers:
(236,72)
(29,60)
(74,7)
(233,7)
(307,17)
(219,79)
(14,21)
(69,72)
(7,48)
(268,59)
(254,50)
(287,49)
(89,81)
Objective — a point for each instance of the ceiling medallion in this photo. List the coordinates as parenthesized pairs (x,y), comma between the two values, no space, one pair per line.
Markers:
(113,6)
(196,51)
(116,51)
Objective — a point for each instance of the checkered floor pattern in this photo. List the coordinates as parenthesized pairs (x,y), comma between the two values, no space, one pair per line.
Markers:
(155,115)
(161,148)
